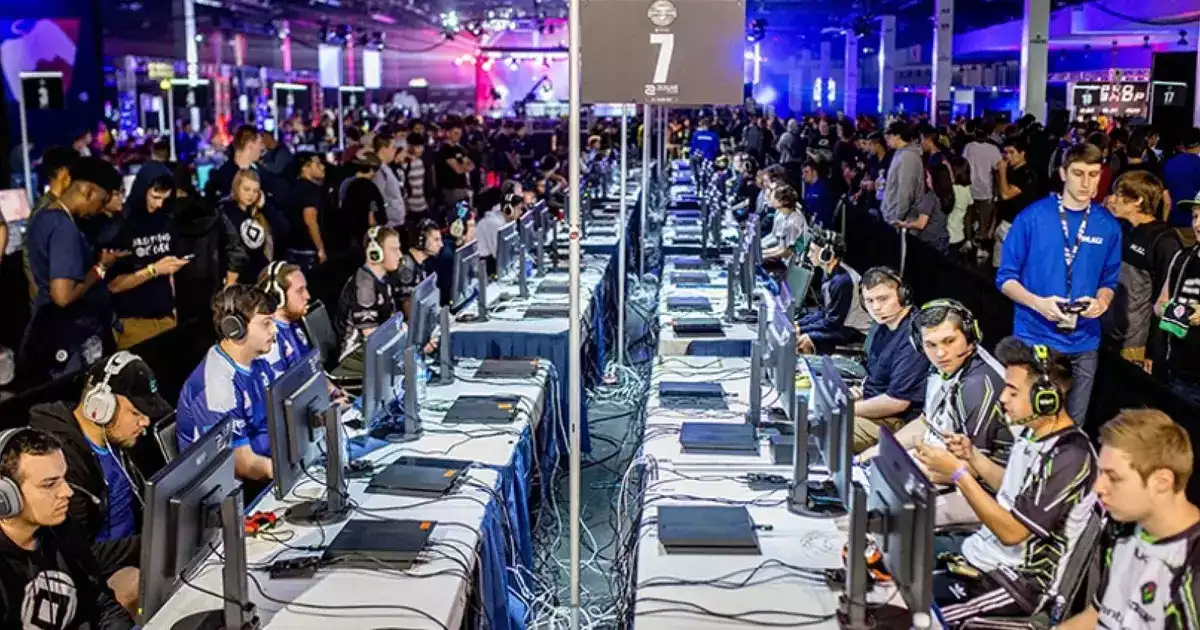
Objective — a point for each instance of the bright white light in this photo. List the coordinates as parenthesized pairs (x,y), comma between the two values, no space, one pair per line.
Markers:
(450,20)
(513,64)
(832,91)
(418,82)
(817,91)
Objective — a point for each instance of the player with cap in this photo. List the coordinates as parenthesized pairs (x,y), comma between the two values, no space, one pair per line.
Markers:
(70,326)
(119,403)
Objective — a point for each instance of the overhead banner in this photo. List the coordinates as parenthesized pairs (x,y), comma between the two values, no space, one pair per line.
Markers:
(352,97)
(293,99)
(663,52)
(42,90)
(1111,99)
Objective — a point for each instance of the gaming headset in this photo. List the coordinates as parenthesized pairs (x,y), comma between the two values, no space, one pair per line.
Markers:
(233,326)
(512,201)
(11,502)
(99,404)
(904,290)
(969,327)
(273,288)
(420,236)
(1045,396)
(374,247)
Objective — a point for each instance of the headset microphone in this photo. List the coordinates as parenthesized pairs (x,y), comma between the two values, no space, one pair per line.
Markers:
(95,499)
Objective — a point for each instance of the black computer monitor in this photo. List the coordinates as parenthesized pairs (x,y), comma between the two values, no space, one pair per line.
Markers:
(381,369)
(837,407)
(465,284)
(181,523)
(528,232)
(423,308)
(295,402)
(508,252)
(903,502)
(781,336)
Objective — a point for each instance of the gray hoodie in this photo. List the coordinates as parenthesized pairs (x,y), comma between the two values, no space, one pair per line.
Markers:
(905,183)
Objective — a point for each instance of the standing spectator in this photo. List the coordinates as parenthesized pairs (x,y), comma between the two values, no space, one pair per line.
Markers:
(1100,140)
(790,145)
(417,176)
(203,232)
(1183,289)
(143,292)
(505,161)
(187,142)
(879,160)
(247,150)
(1135,160)
(388,182)
(1085,276)
(245,211)
(754,138)
(928,218)
(152,169)
(362,204)
(930,145)
(1181,174)
(956,222)
(70,325)
(1016,189)
(1148,246)
(818,198)
(984,159)
(83,143)
(820,148)
(705,143)
(905,175)
(452,168)
(55,175)
(308,211)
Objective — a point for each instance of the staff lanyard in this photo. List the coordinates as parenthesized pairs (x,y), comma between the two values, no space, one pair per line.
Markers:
(1071,249)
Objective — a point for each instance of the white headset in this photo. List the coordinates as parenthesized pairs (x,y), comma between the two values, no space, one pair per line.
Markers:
(273,288)
(99,403)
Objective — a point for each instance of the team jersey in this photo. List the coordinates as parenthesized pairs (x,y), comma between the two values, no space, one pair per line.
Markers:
(291,345)
(1147,583)
(1047,488)
(968,403)
(220,388)
(366,303)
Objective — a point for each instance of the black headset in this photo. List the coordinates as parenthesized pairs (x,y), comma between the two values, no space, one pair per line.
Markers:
(969,327)
(1045,395)
(233,326)
(904,290)
(421,235)
(511,202)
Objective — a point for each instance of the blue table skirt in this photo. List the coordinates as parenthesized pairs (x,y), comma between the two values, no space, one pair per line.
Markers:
(554,348)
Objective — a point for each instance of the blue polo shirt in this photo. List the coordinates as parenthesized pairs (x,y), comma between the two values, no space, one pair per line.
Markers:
(818,201)
(895,367)
(291,345)
(706,143)
(1034,256)
(220,388)
(119,521)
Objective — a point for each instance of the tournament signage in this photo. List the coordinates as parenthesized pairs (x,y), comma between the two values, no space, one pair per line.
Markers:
(1111,99)
(190,93)
(663,52)
(292,99)
(42,90)
(352,97)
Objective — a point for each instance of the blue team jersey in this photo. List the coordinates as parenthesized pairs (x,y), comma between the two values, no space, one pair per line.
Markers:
(291,345)
(218,388)
(706,143)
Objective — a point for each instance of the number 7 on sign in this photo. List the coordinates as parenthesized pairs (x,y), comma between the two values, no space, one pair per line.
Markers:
(666,44)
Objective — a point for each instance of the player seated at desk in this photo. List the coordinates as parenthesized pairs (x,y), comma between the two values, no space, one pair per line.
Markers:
(840,319)
(368,299)
(894,391)
(1043,496)
(287,285)
(789,225)
(962,396)
(120,400)
(423,242)
(232,380)
(503,208)
(48,577)
(1150,564)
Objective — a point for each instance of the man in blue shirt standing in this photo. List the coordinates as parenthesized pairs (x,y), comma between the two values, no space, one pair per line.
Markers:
(70,326)
(705,142)
(1061,264)
(1181,174)
(232,381)
(119,402)
(818,200)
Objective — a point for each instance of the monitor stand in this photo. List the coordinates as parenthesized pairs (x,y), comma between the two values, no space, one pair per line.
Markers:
(239,612)
(807,498)
(410,430)
(522,281)
(852,608)
(540,235)
(482,302)
(334,507)
(445,359)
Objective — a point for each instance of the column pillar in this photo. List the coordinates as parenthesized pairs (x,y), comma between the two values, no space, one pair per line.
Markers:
(887,62)
(285,47)
(1035,45)
(850,80)
(189,32)
(824,72)
(943,61)
(1196,90)
(351,78)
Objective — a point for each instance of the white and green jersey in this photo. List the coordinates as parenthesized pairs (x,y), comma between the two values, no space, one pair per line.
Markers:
(1149,583)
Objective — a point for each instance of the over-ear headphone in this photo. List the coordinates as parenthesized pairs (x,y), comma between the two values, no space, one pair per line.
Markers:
(272,287)
(99,404)
(969,327)
(374,248)
(1045,396)
(11,502)
(905,292)
(233,326)
(509,207)
(420,236)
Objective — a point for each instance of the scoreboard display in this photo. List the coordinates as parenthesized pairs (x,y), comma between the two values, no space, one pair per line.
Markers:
(1131,100)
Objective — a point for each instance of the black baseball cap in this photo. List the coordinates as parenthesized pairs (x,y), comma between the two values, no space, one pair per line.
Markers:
(136,382)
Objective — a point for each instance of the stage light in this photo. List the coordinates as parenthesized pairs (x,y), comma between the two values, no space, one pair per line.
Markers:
(1145,41)
(756,31)
(1183,38)
(831,90)
(199,38)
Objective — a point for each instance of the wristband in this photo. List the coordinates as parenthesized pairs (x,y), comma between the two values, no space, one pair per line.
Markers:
(958,474)
(100,270)
(151,271)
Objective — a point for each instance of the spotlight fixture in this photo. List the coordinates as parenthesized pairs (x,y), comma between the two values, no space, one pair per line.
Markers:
(199,38)
(1183,38)
(1145,41)
(756,31)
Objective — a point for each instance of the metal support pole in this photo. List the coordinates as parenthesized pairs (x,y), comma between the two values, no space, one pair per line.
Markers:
(171,119)
(621,237)
(341,121)
(25,145)
(647,125)
(575,337)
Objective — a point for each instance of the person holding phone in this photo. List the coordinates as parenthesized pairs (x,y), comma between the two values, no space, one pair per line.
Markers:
(244,209)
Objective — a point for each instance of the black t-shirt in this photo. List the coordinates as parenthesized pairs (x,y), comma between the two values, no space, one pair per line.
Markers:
(406,278)
(1018,177)
(447,179)
(305,195)
(1183,286)
(147,237)
(253,240)
(502,144)
(821,147)
(362,200)
(366,303)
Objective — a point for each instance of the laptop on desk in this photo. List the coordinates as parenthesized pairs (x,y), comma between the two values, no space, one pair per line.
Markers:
(366,543)
(405,478)
(482,410)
